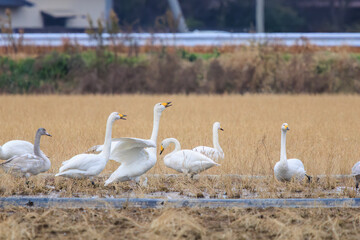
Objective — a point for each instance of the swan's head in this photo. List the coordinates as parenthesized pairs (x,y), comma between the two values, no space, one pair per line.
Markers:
(42,131)
(159,107)
(164,144)
(117,116)
(285,127)
(217,126)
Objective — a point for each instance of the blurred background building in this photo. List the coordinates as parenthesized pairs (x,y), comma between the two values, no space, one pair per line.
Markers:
(153,16)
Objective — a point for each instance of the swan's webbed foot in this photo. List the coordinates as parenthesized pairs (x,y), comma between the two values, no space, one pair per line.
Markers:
(143,183)
(309,178)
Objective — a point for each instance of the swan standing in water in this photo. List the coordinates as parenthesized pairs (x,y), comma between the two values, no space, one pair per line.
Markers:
(356,173)
(89,165)
(185,161)
(29,164)
(286,169)
(137,156)
(215,153)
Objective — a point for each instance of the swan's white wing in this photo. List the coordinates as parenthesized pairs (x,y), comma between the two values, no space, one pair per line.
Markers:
(296,163)
(356,169)
(209,152)
(127,150)
(24,163)
(81,162)
(188,161)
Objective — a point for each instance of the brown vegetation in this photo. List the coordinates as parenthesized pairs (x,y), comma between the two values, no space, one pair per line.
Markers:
(19,223)
(242,69)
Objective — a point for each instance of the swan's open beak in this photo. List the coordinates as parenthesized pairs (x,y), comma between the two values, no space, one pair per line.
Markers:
(221,129)
(48,134)
(161,150)
(167,104)
(122,116)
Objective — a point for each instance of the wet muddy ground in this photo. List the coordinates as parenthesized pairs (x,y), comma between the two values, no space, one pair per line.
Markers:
(180,187)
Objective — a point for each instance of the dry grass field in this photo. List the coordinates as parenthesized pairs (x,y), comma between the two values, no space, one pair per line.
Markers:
(19,223)
(324,135)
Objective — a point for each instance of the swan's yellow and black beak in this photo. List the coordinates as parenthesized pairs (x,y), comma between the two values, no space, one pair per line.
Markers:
(221,129)
(161,150)
(287,128)
(166,104)
(122,116)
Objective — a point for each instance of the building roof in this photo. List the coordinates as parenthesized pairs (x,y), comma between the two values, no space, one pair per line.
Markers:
(15,3)
(59,13)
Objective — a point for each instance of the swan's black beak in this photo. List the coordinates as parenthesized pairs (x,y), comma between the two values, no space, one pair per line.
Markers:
(161,150)
(221,129)
(167,104)
(122,116)
(48,134)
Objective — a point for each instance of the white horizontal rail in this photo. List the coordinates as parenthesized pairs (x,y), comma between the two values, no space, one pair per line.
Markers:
(186,39)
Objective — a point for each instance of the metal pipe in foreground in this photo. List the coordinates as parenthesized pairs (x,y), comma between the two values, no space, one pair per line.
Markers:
(102,203)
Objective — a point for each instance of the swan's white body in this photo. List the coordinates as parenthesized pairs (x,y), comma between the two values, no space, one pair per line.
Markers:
(286,169)
(355,171)
(215,153)
(90,165)
(137,156)
(185,161)
(15,148)
(28,164)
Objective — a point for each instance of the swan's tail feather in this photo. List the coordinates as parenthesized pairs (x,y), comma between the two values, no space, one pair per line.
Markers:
(93,149)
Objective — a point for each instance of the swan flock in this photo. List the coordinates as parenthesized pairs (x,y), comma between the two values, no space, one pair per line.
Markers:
(137,156)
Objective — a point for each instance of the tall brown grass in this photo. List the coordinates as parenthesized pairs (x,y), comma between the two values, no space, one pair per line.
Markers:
(323,127)
(185,223)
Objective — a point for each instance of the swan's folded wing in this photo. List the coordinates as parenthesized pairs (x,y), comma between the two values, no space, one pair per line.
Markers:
(356,169)
(23,163)
(128,149)
(82,162)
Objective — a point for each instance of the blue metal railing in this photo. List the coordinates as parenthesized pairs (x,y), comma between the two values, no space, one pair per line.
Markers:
(45,202)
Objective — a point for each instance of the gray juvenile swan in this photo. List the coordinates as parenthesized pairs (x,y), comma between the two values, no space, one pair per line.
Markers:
(29,164)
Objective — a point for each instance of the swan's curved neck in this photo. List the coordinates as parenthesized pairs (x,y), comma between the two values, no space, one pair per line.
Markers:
(37,144)
(216,139)
(176,143)
(156,123)
(107,144)
(283,147)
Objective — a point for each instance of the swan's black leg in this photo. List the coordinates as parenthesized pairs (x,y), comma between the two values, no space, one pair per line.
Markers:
(309,177)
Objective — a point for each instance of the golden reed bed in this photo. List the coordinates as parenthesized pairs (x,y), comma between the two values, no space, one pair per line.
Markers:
(324,129)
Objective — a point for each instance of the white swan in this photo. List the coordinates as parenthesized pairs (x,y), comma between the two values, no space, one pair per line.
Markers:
(137,156)
(355,171)
(29,164)
(286,169)
(90,165)
(215,153)
(15,148)
(185,161)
